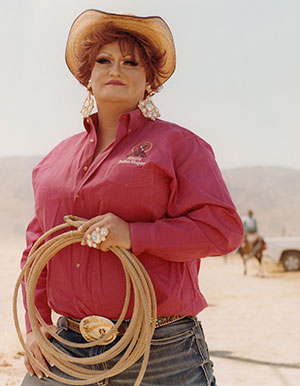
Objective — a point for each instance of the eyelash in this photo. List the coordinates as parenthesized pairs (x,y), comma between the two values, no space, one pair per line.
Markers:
(105,61)
(131,62)
(102,61)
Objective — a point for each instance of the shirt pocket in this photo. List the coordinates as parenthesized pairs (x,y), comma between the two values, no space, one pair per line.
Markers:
(129,193)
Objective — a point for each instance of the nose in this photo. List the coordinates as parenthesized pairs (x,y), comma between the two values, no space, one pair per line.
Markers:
(115,69)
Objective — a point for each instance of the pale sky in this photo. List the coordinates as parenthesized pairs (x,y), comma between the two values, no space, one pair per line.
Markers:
(236,85)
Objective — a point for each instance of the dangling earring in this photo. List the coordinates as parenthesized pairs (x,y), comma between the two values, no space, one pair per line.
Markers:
(88,103)
(147,107)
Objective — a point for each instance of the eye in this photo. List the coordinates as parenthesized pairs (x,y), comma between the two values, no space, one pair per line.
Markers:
(102,61)
(130,63)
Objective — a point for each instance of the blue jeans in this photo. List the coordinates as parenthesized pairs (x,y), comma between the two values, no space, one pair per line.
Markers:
(179,356)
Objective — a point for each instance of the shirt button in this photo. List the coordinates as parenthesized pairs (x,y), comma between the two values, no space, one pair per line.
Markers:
(85,168)
(129,130)
(92,140)
(77,196)
(78,265)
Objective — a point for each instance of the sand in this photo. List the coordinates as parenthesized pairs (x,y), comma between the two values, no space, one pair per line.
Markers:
(251,323)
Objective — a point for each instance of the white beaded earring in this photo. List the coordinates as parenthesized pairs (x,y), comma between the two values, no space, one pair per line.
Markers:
(147,106)
(88,103)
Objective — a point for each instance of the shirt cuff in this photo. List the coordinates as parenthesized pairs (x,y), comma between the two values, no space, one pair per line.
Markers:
(142,237)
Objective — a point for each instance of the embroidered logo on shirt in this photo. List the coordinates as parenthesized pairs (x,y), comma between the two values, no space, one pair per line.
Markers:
(141,149)
(137,154)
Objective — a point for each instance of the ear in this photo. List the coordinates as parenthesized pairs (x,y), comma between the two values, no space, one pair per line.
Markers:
(149,90)
(89,86)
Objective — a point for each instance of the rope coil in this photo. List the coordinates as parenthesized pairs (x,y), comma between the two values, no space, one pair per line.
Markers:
(135,342)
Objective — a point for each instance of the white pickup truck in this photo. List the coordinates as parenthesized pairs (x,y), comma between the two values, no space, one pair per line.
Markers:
(285,250)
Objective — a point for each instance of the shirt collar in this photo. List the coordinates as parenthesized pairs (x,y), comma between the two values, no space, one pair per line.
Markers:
(132,121)
(91,122)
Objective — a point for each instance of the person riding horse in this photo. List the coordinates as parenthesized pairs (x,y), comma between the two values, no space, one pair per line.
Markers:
(252,238)
(253,244)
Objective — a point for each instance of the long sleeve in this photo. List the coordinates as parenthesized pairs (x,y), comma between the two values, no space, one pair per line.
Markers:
(33,233)
(160,178)
(201,219)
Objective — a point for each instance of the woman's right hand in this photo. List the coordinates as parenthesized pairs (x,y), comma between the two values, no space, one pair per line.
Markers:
(34,348)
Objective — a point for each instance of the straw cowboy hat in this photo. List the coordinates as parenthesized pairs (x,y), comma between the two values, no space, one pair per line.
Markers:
(153,28)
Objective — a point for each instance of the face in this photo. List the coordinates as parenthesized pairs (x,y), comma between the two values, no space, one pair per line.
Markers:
(117,77)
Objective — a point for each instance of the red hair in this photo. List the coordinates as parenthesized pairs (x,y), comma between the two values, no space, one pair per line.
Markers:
(133,43)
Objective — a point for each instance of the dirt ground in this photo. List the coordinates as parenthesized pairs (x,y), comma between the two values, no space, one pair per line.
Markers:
(251,323)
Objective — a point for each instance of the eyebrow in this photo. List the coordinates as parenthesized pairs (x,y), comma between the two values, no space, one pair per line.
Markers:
(103,55)
(109,54)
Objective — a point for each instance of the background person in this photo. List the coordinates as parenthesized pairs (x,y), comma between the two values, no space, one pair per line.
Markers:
(255,241)
(145,184)
(249,222)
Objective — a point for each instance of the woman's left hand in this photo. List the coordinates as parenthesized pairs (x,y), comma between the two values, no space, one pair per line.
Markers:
(118,231)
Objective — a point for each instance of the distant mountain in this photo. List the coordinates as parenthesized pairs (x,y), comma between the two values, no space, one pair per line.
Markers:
(273,193)
(16,195)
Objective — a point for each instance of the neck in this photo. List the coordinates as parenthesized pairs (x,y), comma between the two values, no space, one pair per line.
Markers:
(108,120)
(108,116)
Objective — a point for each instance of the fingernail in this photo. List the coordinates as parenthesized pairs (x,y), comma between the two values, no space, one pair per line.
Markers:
(80,228)
(40,376)
(31,374)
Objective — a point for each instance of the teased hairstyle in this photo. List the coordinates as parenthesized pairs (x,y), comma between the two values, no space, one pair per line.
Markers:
(152,59)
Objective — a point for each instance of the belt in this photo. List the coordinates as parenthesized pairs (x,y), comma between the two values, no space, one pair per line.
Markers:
(74,324)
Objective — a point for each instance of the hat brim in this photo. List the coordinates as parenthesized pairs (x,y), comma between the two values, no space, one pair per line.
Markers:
(153,28)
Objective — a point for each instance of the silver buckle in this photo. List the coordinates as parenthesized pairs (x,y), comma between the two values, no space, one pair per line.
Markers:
(94,327)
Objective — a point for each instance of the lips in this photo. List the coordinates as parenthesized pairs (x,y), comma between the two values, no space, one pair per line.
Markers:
(115,83)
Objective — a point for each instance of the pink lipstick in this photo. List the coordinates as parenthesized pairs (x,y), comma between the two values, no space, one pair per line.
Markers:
(115,82)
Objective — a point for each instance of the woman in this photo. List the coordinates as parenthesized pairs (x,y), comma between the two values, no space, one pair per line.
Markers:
(145,184)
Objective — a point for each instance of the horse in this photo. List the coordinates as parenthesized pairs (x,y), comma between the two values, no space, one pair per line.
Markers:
(253,245)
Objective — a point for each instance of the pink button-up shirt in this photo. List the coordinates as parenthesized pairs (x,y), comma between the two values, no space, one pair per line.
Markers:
(160,178)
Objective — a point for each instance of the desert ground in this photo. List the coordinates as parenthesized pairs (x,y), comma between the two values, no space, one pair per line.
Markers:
(251,323)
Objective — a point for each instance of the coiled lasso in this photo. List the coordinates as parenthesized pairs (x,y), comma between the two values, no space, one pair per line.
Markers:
(135,342)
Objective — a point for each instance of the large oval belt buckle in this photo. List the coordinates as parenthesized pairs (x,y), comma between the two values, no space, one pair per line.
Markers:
(94,327)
